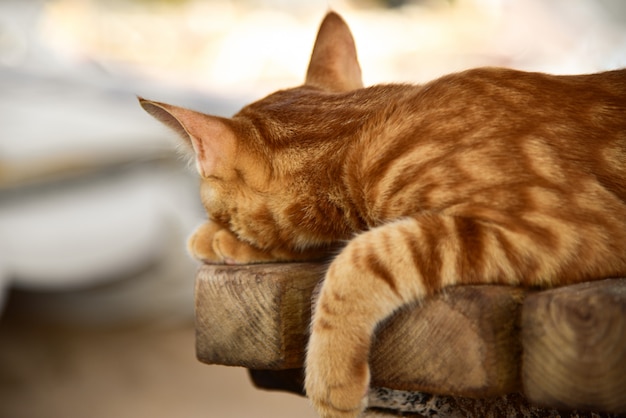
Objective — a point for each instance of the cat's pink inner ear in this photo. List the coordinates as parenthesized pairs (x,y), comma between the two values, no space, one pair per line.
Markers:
(210,137)
(334,65)
(165,113)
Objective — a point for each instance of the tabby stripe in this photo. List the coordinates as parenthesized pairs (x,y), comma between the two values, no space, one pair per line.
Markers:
(374,265)
(425,254)
(414,172)
(377,172)
(471,253)
(323,324)
(384,163)
(524,268)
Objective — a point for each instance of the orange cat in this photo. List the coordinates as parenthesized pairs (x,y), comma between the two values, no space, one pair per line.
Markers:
(486,176)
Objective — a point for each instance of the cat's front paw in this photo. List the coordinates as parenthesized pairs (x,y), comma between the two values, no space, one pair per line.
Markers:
(214,244)
(337,377)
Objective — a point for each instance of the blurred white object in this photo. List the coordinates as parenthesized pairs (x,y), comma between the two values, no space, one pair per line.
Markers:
(91,193)
(79,235)
(251,47)
(95,205)
(105,249)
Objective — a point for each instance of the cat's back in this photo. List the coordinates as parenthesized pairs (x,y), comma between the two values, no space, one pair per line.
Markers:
(492,92)
(471,135)
(502,105)
(582,118)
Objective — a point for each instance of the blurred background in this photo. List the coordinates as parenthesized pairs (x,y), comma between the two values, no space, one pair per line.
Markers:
(96,289)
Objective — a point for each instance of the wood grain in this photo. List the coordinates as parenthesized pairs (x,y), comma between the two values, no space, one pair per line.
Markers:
(255,316)
(574,342)
(463,342)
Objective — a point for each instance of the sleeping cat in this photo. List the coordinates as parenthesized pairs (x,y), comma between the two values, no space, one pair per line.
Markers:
(486,176)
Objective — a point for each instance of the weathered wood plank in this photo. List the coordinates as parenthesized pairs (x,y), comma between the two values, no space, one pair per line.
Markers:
(574,342)
(254,316)
(463,342)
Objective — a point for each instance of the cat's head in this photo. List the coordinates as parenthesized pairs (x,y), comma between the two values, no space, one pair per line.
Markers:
(261,169)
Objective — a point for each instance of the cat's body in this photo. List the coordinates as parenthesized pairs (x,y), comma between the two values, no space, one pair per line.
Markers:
(486,176)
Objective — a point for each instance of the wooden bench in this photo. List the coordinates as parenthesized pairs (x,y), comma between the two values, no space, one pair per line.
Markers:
(563,348)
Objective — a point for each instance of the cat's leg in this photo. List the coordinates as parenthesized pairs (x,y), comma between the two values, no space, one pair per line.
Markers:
(212,243)
(402,262)
(360,289)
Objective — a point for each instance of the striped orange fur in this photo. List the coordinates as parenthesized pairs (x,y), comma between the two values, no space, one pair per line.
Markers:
(485,176)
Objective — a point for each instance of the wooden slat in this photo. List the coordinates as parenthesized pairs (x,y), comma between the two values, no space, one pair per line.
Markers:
(574,342)
(463,342)
(254,316)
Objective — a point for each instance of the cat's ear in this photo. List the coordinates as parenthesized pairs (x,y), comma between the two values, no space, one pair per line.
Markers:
(334,65)
(210,137)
